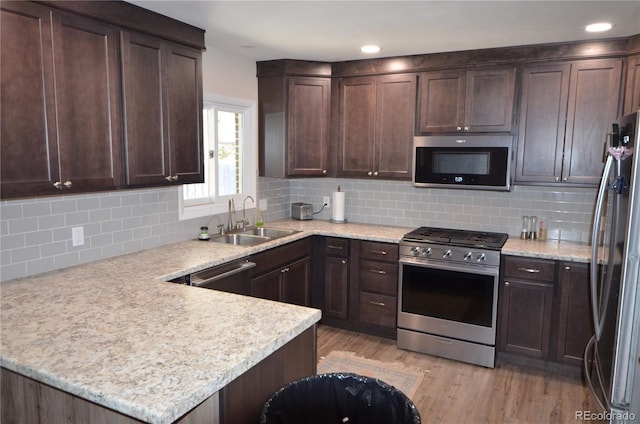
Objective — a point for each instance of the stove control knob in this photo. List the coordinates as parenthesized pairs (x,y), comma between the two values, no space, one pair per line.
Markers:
(447,253)
(415,251)
(426,251)
(467,256)
(481,257)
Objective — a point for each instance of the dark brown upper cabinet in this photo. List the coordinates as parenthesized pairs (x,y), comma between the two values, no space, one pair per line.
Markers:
(466,101)
(60,102)
(632,89)
(294,125)
(377,126)
(62,120)
(163,111)
(566,110)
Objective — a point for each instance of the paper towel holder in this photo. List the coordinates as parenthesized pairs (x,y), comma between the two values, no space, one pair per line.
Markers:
(333,221)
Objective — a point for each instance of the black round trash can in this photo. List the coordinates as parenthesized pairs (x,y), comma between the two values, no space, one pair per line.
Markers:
(339,398)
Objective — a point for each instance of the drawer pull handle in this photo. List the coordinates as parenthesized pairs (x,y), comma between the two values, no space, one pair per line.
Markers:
(377,303)
(284,270)
(378,271)
(334,247)
(379,252)
(343,262)
(529,270)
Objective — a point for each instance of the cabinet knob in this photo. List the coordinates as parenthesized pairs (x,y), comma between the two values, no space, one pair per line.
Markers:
(458,128)
(171,178)
(168,178)
(466,128)
(369,173)
(324,172)
(58,185)
(375,173)
(557,179)
(343,262)
(567,268)
(565,180)
(506,283)
(67,184)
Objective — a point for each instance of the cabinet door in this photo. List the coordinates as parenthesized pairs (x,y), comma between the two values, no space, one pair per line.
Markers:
(395,123)
(575,326)
(87,82)
(543,108)
(357,126)
(308,127)
(594,97)
(147,153)
(336,287)
(526,309)
(29,159)
(267,286)
(441,102)
(632,90)
(489,100)
(184,112)
(296,282)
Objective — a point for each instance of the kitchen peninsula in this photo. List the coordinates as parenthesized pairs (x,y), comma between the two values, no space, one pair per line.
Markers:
(114,333)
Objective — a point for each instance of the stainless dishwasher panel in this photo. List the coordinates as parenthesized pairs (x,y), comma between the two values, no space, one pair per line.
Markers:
(233,277)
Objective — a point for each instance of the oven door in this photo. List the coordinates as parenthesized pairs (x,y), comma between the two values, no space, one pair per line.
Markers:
(451,300)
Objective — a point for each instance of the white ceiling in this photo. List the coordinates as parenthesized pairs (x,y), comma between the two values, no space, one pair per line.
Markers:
(334,30)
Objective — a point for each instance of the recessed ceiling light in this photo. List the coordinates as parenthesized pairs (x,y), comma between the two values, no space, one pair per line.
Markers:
(370,49)
(599,27)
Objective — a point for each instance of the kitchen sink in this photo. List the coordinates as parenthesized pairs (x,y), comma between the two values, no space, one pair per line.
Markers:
(272,233)
(252,236)
(239,239)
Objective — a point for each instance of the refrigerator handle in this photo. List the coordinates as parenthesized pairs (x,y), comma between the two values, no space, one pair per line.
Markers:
(597,219)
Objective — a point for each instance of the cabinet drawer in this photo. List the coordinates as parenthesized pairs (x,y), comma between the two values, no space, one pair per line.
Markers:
(336,247)
(379,277)
(378,309)
(529,269)
(279,256)
(378,251)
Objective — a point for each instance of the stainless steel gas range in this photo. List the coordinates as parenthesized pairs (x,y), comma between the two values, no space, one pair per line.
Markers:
(448,293)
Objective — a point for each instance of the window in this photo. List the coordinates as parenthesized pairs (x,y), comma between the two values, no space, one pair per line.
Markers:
(230,161)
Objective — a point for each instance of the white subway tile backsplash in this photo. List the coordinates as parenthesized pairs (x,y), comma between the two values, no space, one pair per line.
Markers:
(36,233)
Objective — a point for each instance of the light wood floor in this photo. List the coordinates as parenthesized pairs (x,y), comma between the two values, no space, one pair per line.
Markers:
(455,392)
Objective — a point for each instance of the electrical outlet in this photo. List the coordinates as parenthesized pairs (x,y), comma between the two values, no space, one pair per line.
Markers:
(77,236)
(326,200)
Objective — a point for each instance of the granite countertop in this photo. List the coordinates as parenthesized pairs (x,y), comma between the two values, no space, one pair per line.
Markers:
(116,333)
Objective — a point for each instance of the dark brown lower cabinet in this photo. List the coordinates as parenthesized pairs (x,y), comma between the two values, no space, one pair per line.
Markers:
(284,273)
(336,278)
(544,311)
(575,324)
(526,309)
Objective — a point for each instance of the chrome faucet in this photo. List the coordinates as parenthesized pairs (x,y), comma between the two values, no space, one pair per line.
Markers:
(244,208)
(232,210)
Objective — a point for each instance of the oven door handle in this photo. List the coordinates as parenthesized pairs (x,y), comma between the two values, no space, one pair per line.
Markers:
(476,269)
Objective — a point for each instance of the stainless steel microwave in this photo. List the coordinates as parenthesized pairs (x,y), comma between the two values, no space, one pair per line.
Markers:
(481,162)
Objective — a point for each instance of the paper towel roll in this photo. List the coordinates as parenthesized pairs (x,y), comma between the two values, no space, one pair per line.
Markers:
(337,207)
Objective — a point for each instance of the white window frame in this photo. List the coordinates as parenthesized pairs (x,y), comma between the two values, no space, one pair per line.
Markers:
(220,204)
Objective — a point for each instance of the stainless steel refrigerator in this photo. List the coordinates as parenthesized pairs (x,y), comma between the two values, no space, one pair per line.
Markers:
(612,356)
